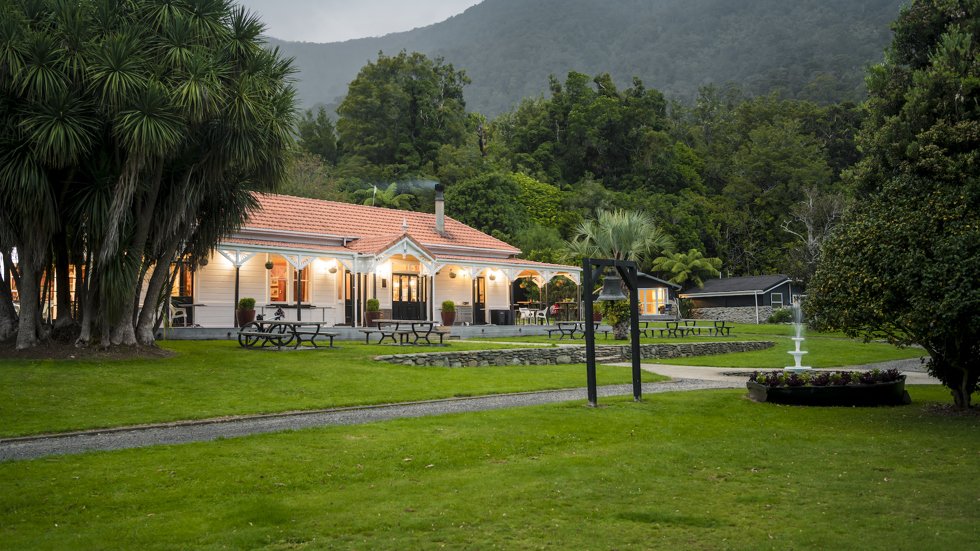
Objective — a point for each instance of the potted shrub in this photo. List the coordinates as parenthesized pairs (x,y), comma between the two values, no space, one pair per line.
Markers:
(373,312)
(596,317)
(246,311)
(448,312)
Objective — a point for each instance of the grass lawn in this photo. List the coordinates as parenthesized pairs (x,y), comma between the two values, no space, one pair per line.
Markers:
(218,378)
(695,470)
(821,352)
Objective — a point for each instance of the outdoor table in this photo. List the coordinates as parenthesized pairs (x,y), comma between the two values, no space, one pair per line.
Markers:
(282,333)
(404,329)
(565,310)
(721,329)
(569,328)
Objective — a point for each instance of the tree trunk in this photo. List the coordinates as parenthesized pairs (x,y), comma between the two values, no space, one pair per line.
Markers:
(89,302)
(961,393)
(29,292)
(621,331)
(146,326)
(125,331)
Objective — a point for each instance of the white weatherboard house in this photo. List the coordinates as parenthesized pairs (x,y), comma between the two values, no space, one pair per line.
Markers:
(327,259)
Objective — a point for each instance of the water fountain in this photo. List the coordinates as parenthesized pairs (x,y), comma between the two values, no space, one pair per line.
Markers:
(798,339)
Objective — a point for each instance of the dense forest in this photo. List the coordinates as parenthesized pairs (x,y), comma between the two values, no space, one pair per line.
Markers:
(754,180)
(811,50)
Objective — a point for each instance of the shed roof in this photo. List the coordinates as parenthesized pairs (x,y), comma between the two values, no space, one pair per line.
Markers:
(737,285)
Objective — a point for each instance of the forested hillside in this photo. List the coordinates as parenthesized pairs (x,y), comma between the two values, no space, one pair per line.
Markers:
(805,49)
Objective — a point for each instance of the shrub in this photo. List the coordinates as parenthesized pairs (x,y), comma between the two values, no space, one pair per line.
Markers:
(783,315)
(246,304)
(373,305)
(448,306)
(824,378)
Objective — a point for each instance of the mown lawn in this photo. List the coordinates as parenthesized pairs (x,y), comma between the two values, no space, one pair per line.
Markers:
(821,352)
(696,470)
(218,378)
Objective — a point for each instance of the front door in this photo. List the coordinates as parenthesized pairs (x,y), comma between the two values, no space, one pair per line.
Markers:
(350,305)
(479,301)
(406,297)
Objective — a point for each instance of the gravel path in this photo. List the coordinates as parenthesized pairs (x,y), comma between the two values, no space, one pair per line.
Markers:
(32,448)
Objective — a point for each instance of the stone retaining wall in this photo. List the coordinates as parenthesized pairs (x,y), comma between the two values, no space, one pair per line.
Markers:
(741,314)
(570,354)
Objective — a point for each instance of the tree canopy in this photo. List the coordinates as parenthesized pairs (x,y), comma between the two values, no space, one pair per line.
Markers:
(402,109)
(132,133)
(906,262)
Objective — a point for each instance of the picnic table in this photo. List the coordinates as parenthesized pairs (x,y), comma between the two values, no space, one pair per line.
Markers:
(685,328)
(400,331)
(282,333)
(569,328)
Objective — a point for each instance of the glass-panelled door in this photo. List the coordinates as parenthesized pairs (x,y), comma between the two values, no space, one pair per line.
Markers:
(182,292)
(480,301)
(407,297)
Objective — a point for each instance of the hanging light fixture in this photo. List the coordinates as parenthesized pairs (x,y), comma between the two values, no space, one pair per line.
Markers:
(612,288)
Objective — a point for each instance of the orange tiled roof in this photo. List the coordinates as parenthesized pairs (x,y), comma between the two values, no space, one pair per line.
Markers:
(284,245)
(514,261)
(381,243)
(313,216)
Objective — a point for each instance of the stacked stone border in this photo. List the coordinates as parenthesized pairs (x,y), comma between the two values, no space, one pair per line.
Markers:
(571,354)
(734,314)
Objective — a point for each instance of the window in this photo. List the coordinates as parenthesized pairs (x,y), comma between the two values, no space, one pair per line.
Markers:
(776,300)
(277,280)
(184,282)
(301,279)
(652,300)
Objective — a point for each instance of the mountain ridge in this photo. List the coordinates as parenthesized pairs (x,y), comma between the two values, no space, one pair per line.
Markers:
(805,49)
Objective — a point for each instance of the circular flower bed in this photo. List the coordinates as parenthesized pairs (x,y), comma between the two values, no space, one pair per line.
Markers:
(830,388)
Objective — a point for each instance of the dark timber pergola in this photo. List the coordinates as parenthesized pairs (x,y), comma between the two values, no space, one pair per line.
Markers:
(627,270)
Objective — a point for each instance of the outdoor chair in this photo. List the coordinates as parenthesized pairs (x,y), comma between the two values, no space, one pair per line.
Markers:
(541,315)
(177,313)
(526,315)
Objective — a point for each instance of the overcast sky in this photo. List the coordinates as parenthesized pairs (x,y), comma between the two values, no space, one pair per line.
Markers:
(339,20)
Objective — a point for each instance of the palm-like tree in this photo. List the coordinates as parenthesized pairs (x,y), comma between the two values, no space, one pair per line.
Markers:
(688,268)
(139,127)
(619,235)
(388,198)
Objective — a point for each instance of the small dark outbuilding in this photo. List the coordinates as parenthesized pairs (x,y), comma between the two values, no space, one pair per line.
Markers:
(749,299)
